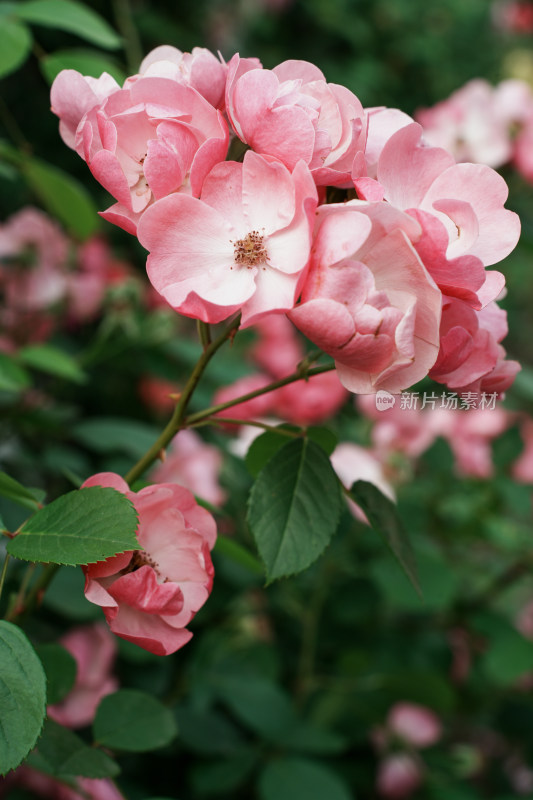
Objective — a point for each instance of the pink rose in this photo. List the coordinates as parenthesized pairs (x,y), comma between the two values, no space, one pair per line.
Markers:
(199,69)
(470,434)
(471,357)
(148,596)
(523,466)
(291,113)
(396,429)
(278,349)
(72,95)
(34,250)
(244,245)
(249,409)
(470,124)
(416,725)
(152,138)
(353,463)
(399,775)
(94,650)
(310,401)
(468,199)
(156,394)
(368,300)
(42,785)
(194,464)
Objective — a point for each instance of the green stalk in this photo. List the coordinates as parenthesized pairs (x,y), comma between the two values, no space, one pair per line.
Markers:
(177,420)
(192,419)
(4,573)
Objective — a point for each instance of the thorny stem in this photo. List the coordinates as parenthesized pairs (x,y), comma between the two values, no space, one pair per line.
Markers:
(297,376)
(254,423)
(506,578)
(310,629)
(23,606)
(4,573)
(177,419)
(204,333)
(18,603)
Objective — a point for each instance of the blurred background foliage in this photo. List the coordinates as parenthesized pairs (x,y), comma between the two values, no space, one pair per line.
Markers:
(280,688)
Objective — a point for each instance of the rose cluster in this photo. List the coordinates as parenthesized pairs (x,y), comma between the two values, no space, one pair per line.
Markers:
(390,281)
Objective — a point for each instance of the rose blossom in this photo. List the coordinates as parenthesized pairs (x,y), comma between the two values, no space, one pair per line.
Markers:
(45,786)
(291,113)
(474,123)
(194,464)
(469,434)
(399,775)
(523,466)
(149,595)
(33,252)
(310,401)
(199,69)
(471,357)
(368,300)
(244,245)
(72,95)
(353,463)
(145,141)
(396,429)
(94,651)
(416,725)
(468,199)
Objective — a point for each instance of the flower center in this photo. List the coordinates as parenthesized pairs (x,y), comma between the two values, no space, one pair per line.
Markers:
(251,251)
(140,559)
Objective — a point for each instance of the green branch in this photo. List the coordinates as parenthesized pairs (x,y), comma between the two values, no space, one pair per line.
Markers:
(177,420)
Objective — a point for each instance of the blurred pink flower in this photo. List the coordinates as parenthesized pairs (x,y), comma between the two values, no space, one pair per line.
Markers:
(94,650)
(416,725)
(194,464)
(399,775)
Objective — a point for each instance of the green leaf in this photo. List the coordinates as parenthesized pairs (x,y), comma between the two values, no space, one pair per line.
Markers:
(307,738)
(383,517)
(23,696)
(16,492)
(208,732)
(134,721)
(109,434)
(508,655)
(49,359)
(265,446)
(257,702)
(60,668)
(294,508)
(223,777)
(63,196)
(15,45)
(67,754)
(67,15)
(12,377)
(81,527)
(88,62)
(65,596)
(301,779)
